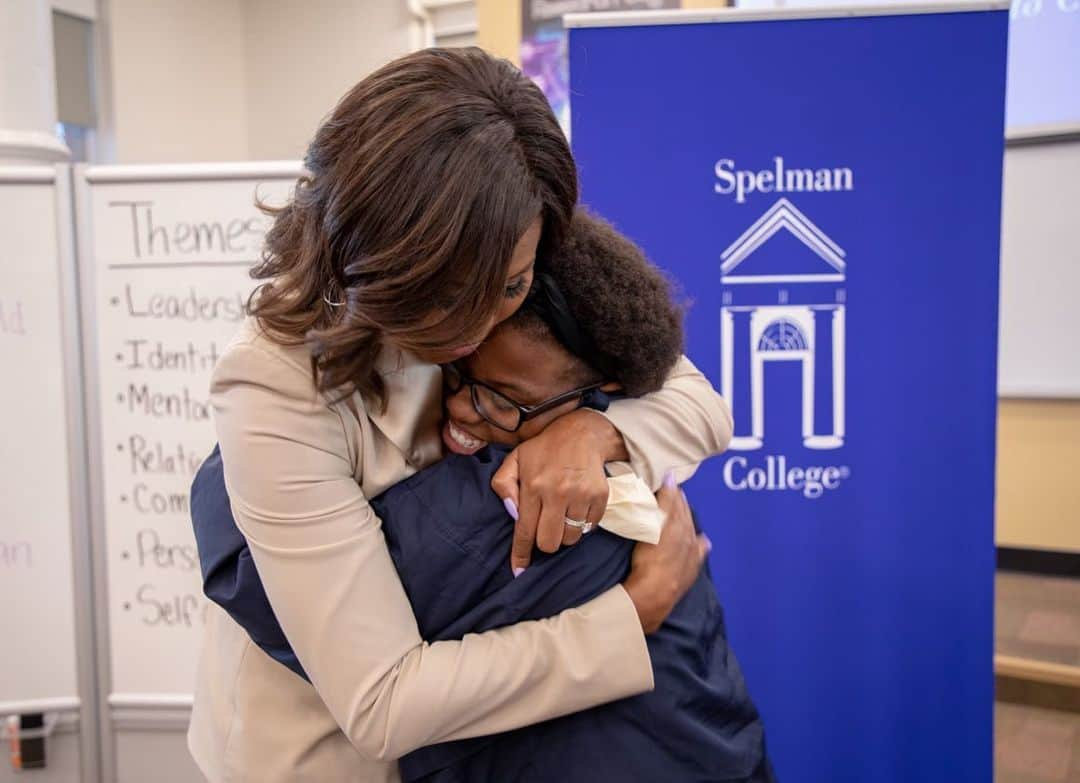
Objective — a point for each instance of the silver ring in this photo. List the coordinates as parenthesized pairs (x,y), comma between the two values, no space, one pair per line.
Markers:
(582,525)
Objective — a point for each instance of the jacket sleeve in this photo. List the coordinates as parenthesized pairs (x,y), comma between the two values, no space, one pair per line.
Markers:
(323,560)
(676,428)
(229,576)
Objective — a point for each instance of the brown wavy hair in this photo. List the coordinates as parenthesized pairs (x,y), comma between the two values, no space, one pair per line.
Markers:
(418,187)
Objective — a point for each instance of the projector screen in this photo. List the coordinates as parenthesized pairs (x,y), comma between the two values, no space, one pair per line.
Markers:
(1043,92)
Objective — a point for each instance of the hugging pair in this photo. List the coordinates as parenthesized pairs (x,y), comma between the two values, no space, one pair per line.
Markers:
(599,322)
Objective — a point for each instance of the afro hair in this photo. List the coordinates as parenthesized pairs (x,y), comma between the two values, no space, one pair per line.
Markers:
(621,301)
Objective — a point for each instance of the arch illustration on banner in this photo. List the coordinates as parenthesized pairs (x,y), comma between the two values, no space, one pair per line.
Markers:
(784,301)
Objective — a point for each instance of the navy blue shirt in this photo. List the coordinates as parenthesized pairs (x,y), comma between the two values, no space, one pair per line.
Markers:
(449,537)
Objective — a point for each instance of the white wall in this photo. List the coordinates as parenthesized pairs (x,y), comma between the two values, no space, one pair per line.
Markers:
(84,9)
(214,80)
(177,72)
(303,55)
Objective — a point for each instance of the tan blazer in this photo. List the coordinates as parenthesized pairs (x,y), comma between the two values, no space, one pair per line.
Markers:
(298,470)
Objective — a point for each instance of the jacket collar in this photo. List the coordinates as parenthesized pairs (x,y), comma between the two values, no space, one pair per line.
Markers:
(413,403)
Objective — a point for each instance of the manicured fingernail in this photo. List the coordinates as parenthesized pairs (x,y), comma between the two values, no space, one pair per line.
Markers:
(669,479)
(517,571)
(511,508)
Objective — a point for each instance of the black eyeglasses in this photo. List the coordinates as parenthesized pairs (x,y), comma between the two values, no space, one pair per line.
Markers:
(499,410)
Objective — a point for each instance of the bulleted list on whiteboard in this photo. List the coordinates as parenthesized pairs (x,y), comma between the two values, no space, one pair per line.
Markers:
(173,264)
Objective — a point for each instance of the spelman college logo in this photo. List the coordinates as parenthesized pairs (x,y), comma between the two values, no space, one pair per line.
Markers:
(783,354)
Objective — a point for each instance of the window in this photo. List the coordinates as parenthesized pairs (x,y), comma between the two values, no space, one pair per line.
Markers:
(75,99)
(782,335)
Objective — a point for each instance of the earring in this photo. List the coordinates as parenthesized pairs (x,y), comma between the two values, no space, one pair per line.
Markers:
(326,299)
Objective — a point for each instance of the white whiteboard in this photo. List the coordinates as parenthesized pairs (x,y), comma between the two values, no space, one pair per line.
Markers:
(37,599)
(165,253)
(1040,272)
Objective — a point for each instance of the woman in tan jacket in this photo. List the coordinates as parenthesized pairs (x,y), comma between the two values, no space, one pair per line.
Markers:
(434,188)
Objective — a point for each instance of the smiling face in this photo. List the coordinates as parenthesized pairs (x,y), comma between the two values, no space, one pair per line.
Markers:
(519,277)
(527,368)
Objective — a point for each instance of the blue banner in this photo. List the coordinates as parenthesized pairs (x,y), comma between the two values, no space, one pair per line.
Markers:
(827,193)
